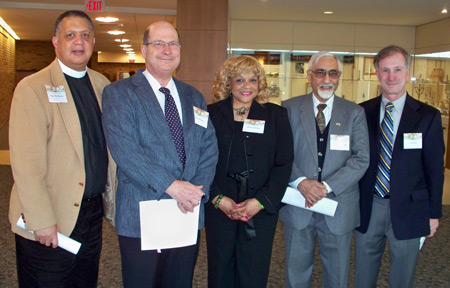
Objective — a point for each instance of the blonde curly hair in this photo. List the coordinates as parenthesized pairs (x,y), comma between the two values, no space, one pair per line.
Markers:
(236,66)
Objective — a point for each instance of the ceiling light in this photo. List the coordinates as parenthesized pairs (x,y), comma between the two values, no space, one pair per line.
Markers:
(328,12)
(107,19)
(444,11)
(131,53)
(122,40)
(128,49)
(125,45)
(7,28)
(116,32)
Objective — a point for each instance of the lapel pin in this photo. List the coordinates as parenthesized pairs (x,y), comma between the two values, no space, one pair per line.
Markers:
(338,124)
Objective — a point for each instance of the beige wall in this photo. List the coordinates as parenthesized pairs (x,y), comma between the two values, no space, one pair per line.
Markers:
(292,35)
(433,37)
(7,74)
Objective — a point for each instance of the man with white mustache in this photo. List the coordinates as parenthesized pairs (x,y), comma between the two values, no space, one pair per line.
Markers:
(331,154)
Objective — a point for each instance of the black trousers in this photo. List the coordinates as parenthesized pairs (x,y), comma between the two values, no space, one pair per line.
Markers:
(233,259)
(172,268)
(42,266)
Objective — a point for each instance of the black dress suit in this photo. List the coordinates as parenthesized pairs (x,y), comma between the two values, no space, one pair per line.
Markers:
(417,175)
(235,261)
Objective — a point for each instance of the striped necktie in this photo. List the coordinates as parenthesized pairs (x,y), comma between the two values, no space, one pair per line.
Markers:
(382,185)
(174,122)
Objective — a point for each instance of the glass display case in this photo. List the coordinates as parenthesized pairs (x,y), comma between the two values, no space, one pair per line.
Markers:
(286,76)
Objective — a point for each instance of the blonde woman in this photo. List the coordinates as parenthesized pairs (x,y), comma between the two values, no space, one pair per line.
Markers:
(255,161)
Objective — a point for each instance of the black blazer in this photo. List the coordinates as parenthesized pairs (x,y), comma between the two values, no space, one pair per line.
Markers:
(417,175)
(269,155)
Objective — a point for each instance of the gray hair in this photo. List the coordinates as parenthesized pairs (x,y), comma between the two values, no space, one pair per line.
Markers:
(316,57)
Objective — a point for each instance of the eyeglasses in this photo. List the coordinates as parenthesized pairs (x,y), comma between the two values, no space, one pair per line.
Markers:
(322,73)
(159,44)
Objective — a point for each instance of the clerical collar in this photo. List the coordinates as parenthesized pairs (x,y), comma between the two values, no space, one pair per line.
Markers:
(69,71)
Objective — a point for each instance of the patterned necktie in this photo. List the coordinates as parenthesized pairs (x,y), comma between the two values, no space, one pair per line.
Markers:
(174,122)
(382,185)
(321,117)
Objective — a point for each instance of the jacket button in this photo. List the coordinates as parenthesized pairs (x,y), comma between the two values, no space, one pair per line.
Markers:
(76,204)
(249,154)
(251,170)
(81,184)
(247,137)
(252,187)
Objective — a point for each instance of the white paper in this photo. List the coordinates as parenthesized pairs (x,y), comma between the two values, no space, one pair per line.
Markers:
(164,226)
(421,241)
(323,206)
(64,242)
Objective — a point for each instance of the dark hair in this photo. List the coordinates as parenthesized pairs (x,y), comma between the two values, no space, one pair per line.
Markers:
(147,32)
(388,51)
(72,13)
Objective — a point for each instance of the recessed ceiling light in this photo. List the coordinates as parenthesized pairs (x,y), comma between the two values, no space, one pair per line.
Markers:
(116,32)
(107,19)
(122,40)
(128,49)
(444,11)
(328,12)
(125,45)
(131,53)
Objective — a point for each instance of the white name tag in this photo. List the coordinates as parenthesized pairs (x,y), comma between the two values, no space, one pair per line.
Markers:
(412,140)
(201,117)
(254,126)
(56,94)
(340,142)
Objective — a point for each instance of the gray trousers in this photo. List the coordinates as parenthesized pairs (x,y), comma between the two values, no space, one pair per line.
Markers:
(370,247)
(334,253)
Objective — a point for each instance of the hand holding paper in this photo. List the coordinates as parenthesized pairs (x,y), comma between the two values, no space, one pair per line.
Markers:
(324,206)
(64,242)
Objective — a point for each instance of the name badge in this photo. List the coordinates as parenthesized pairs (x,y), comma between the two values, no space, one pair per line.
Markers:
(340,142)
(412,140)
(254,126)
(201,117)
(56,94)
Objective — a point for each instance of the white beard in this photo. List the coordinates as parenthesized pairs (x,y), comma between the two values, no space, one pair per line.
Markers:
(326,94)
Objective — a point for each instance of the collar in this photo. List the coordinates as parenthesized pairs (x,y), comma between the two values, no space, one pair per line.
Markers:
(399,104)
(329,102)
(72,73)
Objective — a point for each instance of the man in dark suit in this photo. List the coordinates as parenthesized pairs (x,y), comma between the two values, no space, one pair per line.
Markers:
(161,153)
(401,192)
(331,153)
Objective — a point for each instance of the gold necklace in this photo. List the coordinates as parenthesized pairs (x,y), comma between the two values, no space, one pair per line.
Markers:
(241,111)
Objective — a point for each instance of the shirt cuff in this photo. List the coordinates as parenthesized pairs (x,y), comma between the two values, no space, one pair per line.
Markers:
(328,187)
(294,184)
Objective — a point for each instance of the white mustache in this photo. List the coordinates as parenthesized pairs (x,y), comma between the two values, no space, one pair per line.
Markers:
(326,86)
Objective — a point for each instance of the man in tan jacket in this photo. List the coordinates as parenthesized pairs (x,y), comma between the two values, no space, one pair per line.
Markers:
(59,161)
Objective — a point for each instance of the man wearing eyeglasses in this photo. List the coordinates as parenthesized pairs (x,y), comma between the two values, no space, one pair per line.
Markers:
(331,154)
(161,153)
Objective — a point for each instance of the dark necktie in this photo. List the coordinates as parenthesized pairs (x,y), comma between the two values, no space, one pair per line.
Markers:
(174,122)
(382,185)
(321,117)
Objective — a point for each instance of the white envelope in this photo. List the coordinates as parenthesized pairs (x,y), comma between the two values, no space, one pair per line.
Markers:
(323,206)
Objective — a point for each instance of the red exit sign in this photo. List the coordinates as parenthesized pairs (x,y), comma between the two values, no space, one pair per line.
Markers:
(94,5)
